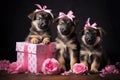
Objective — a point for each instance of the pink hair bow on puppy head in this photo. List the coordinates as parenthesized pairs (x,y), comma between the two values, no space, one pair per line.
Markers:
(87,25)
(68,15)
(43,9)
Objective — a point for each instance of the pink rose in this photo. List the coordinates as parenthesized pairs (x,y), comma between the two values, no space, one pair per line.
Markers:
(4,64)
(79,68)
(109,69)
(51,66)
(16,67)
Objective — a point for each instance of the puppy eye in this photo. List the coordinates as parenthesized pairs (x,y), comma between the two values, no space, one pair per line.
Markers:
(46,15)
(94,32)
(38,18)
(86,32)
(68,21)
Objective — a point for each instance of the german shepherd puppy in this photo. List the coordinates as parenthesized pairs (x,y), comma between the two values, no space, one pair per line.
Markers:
(91,52)
(67,45)
(40,27)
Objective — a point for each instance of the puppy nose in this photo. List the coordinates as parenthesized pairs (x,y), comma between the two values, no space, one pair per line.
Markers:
(42,23)
(63,30)
(92,37)
(88,39)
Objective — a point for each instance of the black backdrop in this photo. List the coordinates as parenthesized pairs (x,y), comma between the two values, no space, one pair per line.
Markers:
(15,23)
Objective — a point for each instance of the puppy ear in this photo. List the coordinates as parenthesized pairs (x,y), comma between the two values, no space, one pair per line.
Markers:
(101,31)
(32,15)
(81,32)
(56,20)
(75,22)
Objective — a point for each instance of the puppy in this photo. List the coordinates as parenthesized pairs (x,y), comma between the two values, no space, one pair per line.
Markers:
(40,26)
(91,52)
(67,45)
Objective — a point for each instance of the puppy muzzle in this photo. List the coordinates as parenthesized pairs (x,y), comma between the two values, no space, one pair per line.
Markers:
(42,23)
(90,39)
(64,30)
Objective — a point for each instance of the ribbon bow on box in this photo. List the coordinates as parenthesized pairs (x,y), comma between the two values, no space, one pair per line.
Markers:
(87,25)
(68,15)
(43,9)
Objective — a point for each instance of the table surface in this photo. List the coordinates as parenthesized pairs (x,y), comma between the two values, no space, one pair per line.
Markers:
(5,76)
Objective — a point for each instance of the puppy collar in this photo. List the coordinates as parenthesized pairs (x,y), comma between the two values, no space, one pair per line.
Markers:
(68,15)
(87,25)
(43,9)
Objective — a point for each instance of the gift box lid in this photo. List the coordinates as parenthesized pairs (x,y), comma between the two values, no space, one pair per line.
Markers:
(34,48)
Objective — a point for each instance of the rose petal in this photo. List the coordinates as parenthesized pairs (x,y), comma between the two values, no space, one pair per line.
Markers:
(16,67)
(4,64)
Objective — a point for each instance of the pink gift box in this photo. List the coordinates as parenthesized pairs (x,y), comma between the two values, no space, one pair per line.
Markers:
(33,55)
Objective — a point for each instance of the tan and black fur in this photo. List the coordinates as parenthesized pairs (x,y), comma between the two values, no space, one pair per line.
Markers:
(67,45)
(91,52)
(40,27)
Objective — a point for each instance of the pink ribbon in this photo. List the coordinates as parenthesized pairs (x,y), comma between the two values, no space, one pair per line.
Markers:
(87,25)
(43,9)
(68,15)
(26,56)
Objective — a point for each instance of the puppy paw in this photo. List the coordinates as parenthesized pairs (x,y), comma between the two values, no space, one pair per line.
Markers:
(46,40)
(94,70)
(34,40)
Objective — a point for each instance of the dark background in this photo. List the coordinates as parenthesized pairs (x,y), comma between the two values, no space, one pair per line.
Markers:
(15,23)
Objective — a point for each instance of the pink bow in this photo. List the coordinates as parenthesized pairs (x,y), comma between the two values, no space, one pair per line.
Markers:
(87,25)
(43,9)
(69,15)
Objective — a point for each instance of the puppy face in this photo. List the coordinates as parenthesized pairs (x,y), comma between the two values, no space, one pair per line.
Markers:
(91,36)
(65,26)
(41,20)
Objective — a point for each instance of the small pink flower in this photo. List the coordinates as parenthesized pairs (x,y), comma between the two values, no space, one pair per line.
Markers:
(79,68)
(109,69)
(67,73)
(16,67)
(51,66)
(4,64)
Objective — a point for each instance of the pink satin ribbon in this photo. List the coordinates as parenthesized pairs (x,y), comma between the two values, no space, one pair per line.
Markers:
(43,9)
(26,56)
(87,25)
(68,15)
